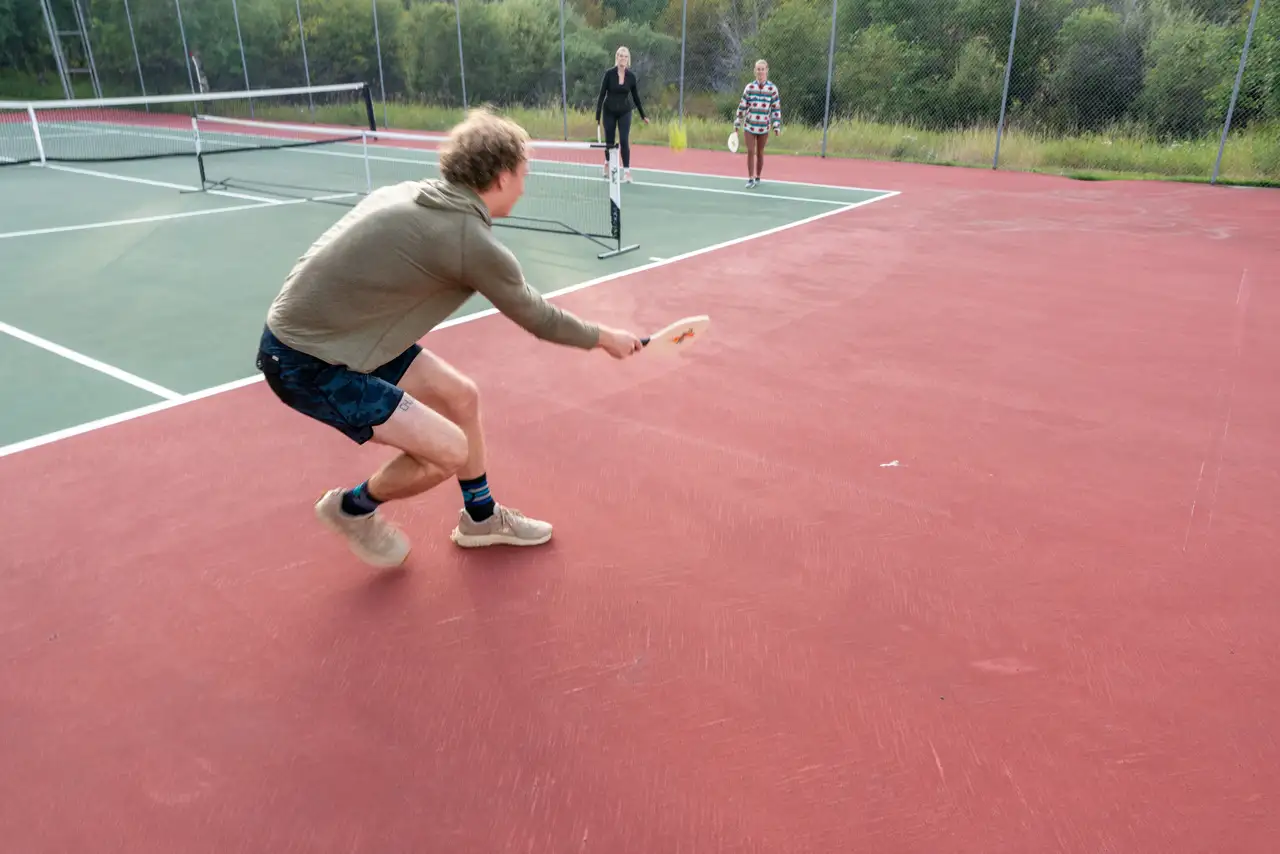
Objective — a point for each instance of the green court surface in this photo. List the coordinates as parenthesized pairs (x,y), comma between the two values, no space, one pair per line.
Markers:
(126,286)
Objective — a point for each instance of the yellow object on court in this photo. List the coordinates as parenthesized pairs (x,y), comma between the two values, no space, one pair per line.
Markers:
(677,137)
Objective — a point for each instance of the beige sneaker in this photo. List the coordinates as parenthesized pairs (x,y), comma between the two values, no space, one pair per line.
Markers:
(506,527)
(371,538)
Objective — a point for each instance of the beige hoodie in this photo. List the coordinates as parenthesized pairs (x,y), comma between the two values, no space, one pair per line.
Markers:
(394,267)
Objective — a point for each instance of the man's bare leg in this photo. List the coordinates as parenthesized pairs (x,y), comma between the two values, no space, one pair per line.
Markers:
(483,521)
(438,430)
(440,386)
(431,450)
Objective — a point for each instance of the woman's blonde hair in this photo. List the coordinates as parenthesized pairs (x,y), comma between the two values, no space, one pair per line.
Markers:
(621,48)
(482,147)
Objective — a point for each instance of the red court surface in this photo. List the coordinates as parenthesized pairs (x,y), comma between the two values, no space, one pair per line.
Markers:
(958,535)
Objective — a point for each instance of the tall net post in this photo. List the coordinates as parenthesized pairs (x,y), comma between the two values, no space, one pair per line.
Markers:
(831,64)
(133,43)
(564,80)
(377,46)
(684,44)
(1004,94)
(186,47)
(244,62)
(1249,144)
(1235,91)
(302,40)
(462,65)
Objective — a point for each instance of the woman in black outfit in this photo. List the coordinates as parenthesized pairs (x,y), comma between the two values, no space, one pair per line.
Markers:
(617,91)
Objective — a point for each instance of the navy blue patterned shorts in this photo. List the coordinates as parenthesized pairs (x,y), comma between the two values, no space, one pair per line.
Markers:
(349,401)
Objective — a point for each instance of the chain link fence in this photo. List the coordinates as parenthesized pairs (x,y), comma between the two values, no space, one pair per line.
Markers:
(1163,88)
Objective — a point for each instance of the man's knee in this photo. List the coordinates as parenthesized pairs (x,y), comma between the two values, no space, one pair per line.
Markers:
(425,435)
(440,385)
(453,452)
(464,399)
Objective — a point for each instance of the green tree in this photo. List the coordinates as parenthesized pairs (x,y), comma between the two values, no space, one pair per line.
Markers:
(878,75)
(1188,59)
(1097,72)
(636,11)
(794,41)
(427,51)
(22,47)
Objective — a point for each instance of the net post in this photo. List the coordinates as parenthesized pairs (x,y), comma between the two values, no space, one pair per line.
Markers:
(35,129)
(195,132)
(367,96)
(364,150)
(615,208)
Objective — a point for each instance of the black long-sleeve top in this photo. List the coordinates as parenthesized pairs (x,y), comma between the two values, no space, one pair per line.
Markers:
(618,95)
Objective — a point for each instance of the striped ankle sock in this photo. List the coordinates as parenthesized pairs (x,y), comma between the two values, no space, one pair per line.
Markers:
(476,497)
(358,501)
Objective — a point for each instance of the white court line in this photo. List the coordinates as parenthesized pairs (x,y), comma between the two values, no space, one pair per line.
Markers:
(112,223)
(752,193)
(90,362)
(153,183)
(88,427)
(140,220)
(93,173)
(767,180)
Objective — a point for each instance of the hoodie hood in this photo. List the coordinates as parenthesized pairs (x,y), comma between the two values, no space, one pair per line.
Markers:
(438,194)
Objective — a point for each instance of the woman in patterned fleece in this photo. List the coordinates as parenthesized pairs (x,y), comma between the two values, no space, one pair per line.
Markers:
(761,107)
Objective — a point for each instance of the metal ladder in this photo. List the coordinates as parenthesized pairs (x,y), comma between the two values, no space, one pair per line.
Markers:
(56,37)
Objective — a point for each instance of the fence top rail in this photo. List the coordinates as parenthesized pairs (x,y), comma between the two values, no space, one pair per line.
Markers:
(189,98)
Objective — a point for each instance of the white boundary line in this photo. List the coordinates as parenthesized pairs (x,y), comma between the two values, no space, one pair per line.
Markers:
(151,182)
(114,223)
(89,362)
(119,418)
(768,181)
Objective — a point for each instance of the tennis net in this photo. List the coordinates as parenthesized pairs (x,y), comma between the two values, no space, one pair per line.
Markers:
(102,130)
(572,187)
(317,142)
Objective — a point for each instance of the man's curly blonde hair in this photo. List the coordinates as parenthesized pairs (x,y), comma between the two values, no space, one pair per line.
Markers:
(481,148)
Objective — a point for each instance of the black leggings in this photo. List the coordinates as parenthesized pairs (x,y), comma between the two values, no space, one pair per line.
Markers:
(622,123)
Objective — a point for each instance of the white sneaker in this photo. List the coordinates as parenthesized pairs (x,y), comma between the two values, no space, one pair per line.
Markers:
(371,538)
(626,176)
(506,527)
